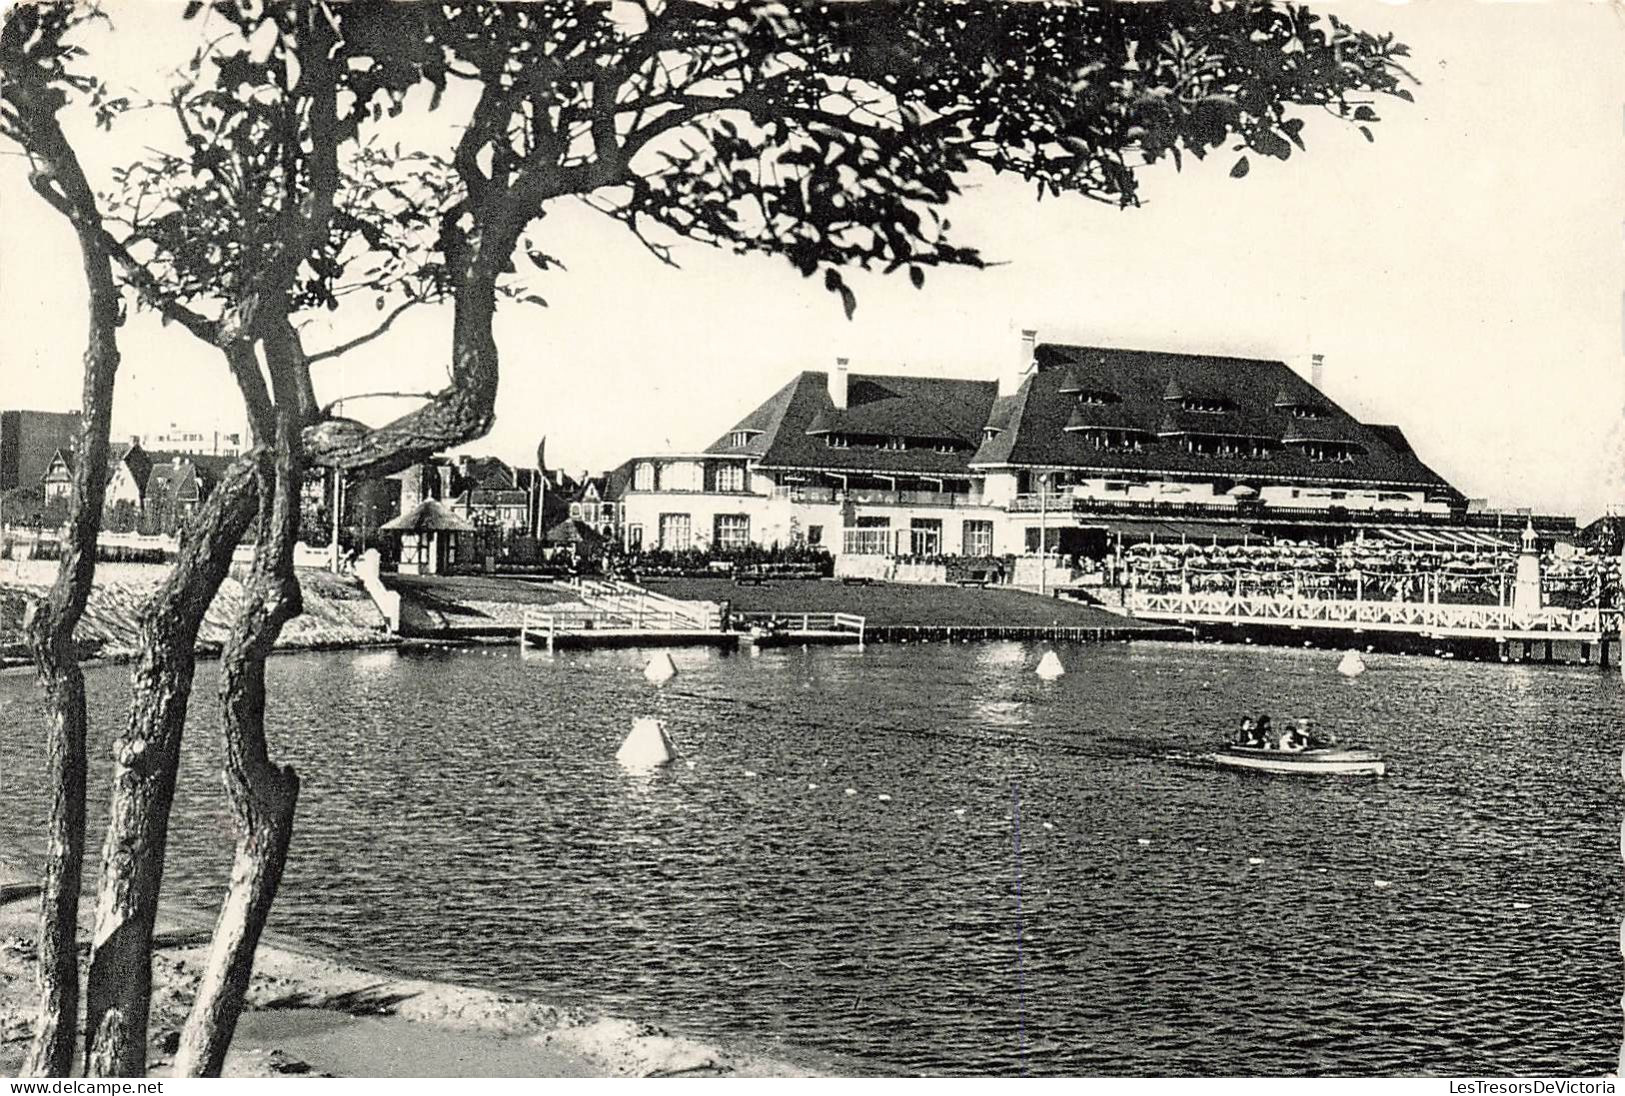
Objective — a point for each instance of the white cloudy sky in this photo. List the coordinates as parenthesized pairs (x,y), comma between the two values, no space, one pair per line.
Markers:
(1462,276)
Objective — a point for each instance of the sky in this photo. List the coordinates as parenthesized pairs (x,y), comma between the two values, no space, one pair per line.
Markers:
(1463,276)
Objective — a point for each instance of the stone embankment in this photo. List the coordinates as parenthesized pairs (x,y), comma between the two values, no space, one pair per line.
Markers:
(338,612)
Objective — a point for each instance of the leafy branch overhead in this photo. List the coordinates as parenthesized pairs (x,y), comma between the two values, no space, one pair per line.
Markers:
(831,135)
(835,134)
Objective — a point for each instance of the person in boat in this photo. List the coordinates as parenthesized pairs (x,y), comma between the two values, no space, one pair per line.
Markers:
(1316,739)
(1294,739)
(1263,730)
(1246,734)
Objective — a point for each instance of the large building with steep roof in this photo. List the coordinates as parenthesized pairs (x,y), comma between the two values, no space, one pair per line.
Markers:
(1084,449)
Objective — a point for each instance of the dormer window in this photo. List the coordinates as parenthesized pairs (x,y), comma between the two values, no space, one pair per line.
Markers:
(990,432)
(1308,411)
(837,441)
(741,438)
(1123,440)
(1330,452)
(895,443)
(1094,397)
(1204,405)
(947,447)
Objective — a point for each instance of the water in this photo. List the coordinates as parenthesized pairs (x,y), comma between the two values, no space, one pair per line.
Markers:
(462,819)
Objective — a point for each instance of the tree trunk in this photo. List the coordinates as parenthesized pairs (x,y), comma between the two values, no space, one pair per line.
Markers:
(145,761)
(263,796)
(50,624)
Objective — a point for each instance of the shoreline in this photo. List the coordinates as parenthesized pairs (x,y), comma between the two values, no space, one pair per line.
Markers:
(315,1014)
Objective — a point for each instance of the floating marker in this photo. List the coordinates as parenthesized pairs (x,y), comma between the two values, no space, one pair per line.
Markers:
(960,811)
(1255,860)
(1049,825)
(1383,884)
(1049,667)
(691,764)
(851,791)
(1520,905)
(883,797)
(647,747)
(1145,841)
(660,670)
(1352,665)
(812,787)
(1201,848)
(748,772)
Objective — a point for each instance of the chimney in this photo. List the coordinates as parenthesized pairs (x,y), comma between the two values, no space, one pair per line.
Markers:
(1025,363)
(837,384)
(1317,371)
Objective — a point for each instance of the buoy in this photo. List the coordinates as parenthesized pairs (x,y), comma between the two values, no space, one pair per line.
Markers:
(1049,667)
(1145,841)
(1352,665)
(1520,905)
(883,797)
(960,811)
(1383,884)
(812,787)
(1255,860)
(1201,848)
(660,670)
(851,791)
(748,772)
(1049,825)
(647,747)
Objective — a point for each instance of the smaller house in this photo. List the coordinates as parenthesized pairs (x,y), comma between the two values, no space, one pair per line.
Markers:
(597,503)
(177,486)
(128,468)
(487,494)
(430,535)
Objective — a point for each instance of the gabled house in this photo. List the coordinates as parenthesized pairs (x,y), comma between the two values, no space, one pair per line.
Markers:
(176,486)
(597,503)
(128,467)
(486,493)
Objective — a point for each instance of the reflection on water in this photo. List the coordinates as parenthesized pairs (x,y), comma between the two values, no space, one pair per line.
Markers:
(462,817)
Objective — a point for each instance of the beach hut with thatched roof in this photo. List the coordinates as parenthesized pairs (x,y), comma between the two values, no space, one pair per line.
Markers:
(580,539)
(429,533)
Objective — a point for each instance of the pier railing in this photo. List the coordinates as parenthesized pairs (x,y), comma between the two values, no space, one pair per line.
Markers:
(1424,618)
(804,622)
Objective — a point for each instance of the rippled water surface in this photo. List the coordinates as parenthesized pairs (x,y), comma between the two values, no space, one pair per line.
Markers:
(1051,885)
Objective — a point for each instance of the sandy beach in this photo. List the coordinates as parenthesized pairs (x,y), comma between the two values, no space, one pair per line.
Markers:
(314,1016)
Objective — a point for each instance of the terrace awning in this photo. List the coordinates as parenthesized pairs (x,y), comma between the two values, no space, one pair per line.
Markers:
(1439,540)
(1171,532)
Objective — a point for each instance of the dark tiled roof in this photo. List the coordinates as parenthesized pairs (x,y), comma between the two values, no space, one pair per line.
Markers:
(1258,396)
(931,409)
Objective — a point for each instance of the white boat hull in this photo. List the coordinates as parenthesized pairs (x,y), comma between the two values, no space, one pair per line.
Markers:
(1327,762)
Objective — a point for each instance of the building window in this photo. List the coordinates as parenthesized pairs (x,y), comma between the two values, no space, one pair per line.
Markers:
(675,532)
(947,447)
(925,536)
(575,510)
(739,438)
(978,538)
(1090,398)
(732,532)
(1308,411)
(643,477)
(1205,406)
(634,538)
(837,441)
(895,443)
(731,477)
(815,535)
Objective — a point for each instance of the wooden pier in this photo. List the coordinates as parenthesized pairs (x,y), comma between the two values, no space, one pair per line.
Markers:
(1491,631)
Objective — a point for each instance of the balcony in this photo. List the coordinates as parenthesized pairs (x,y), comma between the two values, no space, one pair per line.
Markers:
(876,496)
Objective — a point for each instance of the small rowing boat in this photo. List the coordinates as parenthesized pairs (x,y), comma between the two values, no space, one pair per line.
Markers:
(1328,760)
